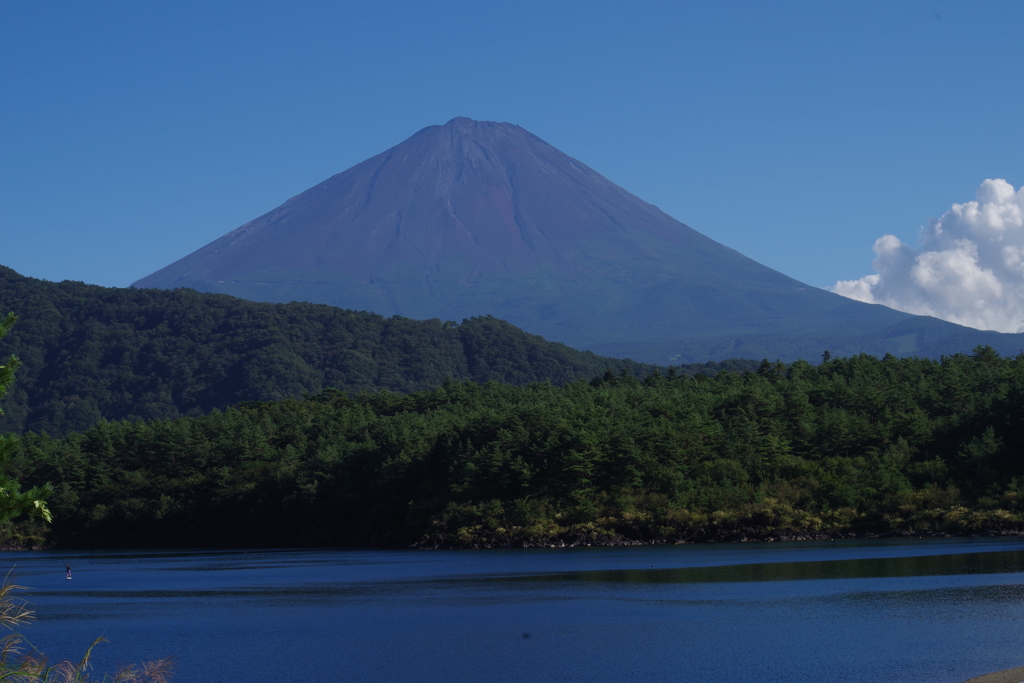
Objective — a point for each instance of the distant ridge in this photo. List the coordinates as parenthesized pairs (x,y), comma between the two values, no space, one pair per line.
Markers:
(482,218)
(90,353)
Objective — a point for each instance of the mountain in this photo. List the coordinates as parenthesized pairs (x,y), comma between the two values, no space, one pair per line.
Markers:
(481,218)
(89,353)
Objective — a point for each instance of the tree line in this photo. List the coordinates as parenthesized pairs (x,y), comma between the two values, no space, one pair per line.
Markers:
(853,445)
(90,353)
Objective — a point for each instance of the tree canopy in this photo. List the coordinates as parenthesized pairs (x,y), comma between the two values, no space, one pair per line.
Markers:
(13,501)
(855,445)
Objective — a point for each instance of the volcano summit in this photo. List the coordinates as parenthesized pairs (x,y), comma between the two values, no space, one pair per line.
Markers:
(477,217)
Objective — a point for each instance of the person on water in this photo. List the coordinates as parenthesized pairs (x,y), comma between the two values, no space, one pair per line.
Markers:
(69,571)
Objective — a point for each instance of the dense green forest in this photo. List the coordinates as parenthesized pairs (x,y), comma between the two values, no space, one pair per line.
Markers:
(854,445)
(89,353)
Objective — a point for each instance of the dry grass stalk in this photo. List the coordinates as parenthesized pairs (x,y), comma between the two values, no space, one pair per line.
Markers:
(33,667)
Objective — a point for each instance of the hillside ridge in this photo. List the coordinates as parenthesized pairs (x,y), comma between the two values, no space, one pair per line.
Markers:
(90,353)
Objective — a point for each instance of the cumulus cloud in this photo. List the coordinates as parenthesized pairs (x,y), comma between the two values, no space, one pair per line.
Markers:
(969,268)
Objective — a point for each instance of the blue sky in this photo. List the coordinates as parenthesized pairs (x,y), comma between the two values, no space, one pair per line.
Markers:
(132,133)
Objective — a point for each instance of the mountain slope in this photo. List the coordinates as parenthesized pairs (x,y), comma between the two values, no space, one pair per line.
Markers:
(92,352)
(482,218)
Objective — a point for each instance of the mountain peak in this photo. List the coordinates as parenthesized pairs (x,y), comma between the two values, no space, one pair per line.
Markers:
(462,122)
(484,218)
(463,127)
(476,193)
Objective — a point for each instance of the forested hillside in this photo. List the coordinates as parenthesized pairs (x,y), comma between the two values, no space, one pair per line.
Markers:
(853,445)
(91,353)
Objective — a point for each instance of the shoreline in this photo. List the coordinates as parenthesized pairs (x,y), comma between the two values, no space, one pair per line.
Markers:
(576,540)
(1015,675)
(783,536)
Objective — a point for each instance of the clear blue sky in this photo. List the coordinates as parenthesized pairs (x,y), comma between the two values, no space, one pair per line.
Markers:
(132,133)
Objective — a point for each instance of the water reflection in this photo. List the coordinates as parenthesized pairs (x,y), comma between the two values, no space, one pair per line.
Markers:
(862,568)
(936,611)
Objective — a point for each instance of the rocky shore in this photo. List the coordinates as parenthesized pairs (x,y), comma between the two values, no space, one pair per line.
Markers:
(745,535)
(1006,676)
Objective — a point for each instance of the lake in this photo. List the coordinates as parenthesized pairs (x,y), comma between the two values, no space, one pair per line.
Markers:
(923,611)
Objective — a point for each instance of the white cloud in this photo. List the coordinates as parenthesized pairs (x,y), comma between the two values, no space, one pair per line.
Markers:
(969,268)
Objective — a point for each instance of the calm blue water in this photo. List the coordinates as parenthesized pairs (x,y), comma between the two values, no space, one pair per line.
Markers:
(926,611)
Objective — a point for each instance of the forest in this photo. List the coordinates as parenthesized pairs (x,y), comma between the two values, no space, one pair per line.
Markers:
(90,353)
(856,445)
